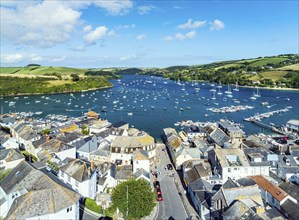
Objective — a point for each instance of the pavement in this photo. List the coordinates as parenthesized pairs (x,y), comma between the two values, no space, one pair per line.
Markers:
(172,206)
(87,214)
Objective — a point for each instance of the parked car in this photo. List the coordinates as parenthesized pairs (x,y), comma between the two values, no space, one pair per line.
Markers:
(169,166)
(156,184)
(159,197)
(158,191)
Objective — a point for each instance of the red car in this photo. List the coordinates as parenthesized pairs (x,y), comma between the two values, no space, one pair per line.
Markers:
(158,191)
(159,197)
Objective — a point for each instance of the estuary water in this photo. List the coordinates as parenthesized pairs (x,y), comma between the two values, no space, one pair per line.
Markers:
(152,103)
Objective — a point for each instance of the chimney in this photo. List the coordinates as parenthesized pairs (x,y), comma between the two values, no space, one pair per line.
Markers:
(88,171)
(92,166)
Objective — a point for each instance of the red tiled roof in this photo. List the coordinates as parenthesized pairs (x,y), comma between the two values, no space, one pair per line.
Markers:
(274,190)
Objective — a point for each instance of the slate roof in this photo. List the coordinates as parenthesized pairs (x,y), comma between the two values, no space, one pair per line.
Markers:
(246,192)
(246,181)
(229,183)
(55,146)
(123,172)
(25,132)
(39,142)
(239,211)
(78,169)
(44,196)
(219,137)
(172,138)
(256,152)
(195,153)
(140,155)
(201,184)
(196,172)
(290,188)
(91,145)
(10,155)
(102,152)
(222,156)
(68,137)
(291,208)
(141,140)
(141,172)
(275,191)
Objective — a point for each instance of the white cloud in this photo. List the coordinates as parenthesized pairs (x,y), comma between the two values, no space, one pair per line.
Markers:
(191,24)
(140,37)
(18,57)
(59,59)
(95,35)
(217,25)
(168,38)
(180,36)
(129,57)
(45,24)
(87,28)
(126,26)
(145,9)
(79,48)
(115,7)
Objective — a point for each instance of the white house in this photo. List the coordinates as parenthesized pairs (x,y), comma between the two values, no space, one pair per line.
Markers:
(24,134)
(81,175)
(140,161)
(91,146)
(233,163)
(10,143)
(10,158)
(122,147)
(271,194)
(60,149)
(27,193)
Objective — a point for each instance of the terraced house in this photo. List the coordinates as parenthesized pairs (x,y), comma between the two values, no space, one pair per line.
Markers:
(123,147)
(27,193)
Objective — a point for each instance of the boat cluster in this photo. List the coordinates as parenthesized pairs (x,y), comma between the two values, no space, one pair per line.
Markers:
(232,108)
(261,116)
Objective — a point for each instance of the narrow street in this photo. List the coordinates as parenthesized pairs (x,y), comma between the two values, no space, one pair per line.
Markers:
(171,207)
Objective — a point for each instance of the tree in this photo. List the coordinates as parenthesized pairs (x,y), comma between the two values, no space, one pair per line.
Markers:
(45,131)
(133,197)
(75,77)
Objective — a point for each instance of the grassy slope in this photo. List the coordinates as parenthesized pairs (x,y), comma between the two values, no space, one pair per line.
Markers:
(264,61)
(274,75)
(290,67)
(41,70)
(43,82)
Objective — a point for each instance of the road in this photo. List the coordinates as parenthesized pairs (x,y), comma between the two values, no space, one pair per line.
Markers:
(172,206)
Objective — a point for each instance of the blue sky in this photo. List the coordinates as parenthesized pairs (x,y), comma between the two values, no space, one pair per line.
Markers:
(126,33)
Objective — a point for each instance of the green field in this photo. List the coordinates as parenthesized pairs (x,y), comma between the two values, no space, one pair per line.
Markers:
(46,79)
(265,61)
(228,66)
(42,70)
(294,67)
(274,75)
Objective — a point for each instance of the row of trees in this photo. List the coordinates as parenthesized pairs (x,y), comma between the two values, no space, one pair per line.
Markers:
(16,85)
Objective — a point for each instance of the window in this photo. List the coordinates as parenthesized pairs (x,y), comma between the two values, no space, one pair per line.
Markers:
(69,209)
(69,178)
(219,204)
(229,170)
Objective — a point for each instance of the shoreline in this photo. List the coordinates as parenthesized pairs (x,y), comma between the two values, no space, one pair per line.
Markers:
(270,88)
(62,92)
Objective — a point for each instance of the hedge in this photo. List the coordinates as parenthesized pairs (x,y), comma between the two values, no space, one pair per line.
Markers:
(92,205)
